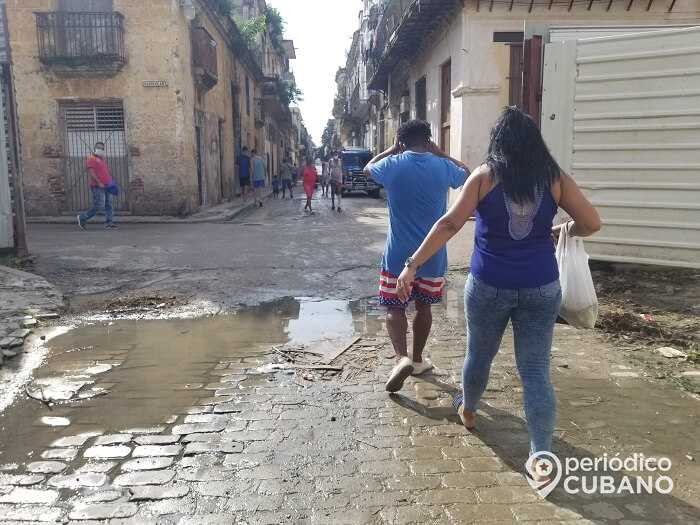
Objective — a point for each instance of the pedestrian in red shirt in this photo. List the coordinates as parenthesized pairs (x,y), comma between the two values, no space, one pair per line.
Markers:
(98,174)
(309,180)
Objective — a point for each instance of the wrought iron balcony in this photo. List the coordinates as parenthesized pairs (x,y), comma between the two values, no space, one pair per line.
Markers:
(403,28)
(355,97)
(259,114)
(95,40)
(204,58)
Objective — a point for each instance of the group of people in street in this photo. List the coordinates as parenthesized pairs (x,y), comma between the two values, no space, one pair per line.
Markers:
(513,274)
(251,173)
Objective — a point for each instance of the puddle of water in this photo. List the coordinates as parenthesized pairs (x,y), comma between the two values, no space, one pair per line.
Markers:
(140,373)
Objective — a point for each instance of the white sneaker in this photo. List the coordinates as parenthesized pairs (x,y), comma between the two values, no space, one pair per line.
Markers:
(423,366)
(399,373)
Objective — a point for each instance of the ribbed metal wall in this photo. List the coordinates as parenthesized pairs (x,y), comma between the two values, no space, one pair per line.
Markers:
(635,142)
(6,216)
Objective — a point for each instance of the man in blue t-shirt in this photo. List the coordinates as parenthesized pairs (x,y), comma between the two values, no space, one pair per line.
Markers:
(244,174)
(416,174)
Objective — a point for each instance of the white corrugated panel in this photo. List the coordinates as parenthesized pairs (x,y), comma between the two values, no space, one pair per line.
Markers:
(7,239)
(566,33)
(635,143)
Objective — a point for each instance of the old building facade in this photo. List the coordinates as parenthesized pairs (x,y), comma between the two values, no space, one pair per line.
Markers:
(456,64)
(277,90)
(356,105)
(171,87)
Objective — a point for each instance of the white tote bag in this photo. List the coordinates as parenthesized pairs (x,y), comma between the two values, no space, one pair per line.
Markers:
(579,303)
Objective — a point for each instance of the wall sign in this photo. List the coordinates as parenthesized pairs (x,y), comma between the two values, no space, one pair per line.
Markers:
(155,83)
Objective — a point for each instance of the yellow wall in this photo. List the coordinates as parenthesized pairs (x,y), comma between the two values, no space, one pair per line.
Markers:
(160,122)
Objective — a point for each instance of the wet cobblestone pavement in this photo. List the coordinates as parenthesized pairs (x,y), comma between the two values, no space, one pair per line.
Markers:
(209,439)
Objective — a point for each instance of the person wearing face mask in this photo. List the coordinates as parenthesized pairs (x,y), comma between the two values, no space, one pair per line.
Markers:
(98,174)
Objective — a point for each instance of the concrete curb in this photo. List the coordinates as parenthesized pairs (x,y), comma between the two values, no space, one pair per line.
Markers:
(19,273)
(144,219)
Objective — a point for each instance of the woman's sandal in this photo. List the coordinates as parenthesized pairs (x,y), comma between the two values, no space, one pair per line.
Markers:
(467,417)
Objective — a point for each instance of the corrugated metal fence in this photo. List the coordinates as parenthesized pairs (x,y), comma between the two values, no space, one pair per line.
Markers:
(629,115)
(6,214)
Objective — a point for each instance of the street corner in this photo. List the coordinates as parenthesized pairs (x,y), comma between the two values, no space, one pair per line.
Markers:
(29,303)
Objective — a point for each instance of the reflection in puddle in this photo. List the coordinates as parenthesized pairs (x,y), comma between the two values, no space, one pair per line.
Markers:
(146,371)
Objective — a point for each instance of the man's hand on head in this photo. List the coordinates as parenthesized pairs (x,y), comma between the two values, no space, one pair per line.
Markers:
(435,149)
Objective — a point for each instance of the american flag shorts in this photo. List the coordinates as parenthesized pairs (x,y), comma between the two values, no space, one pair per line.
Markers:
(426,289)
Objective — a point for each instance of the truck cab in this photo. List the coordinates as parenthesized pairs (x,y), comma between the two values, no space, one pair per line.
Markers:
(355,160)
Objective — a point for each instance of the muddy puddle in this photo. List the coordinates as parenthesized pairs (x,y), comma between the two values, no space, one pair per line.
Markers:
(114,376)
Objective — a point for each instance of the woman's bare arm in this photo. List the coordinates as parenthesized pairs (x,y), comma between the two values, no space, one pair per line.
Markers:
(586,220)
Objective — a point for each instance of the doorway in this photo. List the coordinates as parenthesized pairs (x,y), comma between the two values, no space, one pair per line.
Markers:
(445,105)
(198,160)
(84,125)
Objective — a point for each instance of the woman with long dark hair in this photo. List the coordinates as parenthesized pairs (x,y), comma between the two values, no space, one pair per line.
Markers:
(513,273)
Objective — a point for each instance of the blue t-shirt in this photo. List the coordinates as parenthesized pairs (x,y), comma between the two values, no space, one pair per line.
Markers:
(243,166)
(416,184)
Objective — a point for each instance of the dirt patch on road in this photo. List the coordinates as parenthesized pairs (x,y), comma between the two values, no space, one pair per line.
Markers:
(134,303)
(644,308)
(649,304)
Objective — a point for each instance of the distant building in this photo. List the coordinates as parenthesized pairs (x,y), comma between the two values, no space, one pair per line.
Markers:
(173,90)
(457,64)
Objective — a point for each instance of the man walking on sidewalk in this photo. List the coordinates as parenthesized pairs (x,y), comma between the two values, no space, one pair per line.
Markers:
(259,172)
(416,175)
(244,175)
(286,172)
(98,174)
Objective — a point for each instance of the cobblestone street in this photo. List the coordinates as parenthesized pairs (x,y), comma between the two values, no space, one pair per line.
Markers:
(275,448)
(186,421)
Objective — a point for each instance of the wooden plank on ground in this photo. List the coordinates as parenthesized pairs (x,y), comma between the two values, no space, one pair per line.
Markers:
(342,349)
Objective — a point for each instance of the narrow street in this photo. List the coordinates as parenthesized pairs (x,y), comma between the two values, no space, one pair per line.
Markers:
(149,409)
(267,253)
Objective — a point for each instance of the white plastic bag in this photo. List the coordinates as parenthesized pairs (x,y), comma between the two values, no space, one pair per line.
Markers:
(579,303)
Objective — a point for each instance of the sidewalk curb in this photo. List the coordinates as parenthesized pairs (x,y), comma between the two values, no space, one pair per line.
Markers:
(145,219)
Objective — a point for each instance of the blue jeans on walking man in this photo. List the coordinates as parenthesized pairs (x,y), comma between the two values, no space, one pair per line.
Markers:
(532,312)
(100,199)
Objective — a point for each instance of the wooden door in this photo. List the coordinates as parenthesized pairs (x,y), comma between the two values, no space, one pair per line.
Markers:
(445,105)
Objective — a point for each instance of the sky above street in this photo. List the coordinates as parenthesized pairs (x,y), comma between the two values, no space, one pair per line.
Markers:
(322,33)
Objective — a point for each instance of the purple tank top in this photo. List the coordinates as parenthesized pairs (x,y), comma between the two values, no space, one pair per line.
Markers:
(512,243)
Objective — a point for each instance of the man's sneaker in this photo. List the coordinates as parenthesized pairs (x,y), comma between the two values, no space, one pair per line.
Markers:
(423,366)
(399,373)
(111,227)
(338,209)
(332,207)
(81,224)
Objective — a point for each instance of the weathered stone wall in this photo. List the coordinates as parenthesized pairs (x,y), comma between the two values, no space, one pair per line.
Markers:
(215,108)
(160,121)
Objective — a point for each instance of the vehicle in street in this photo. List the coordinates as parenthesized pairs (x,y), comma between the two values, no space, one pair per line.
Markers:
(355,160)
(319,171)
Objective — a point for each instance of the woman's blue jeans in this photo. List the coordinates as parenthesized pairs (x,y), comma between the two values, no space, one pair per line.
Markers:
(532,312)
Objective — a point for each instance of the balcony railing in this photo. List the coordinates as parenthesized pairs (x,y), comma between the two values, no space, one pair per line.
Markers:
(355,97)
(390,16)
(80,39)
(401,29)
(204,58)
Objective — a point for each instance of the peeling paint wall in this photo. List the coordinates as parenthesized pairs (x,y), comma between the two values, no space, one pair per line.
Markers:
(159,121)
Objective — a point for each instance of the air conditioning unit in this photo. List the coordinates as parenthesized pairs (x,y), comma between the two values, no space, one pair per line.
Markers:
(405,104)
